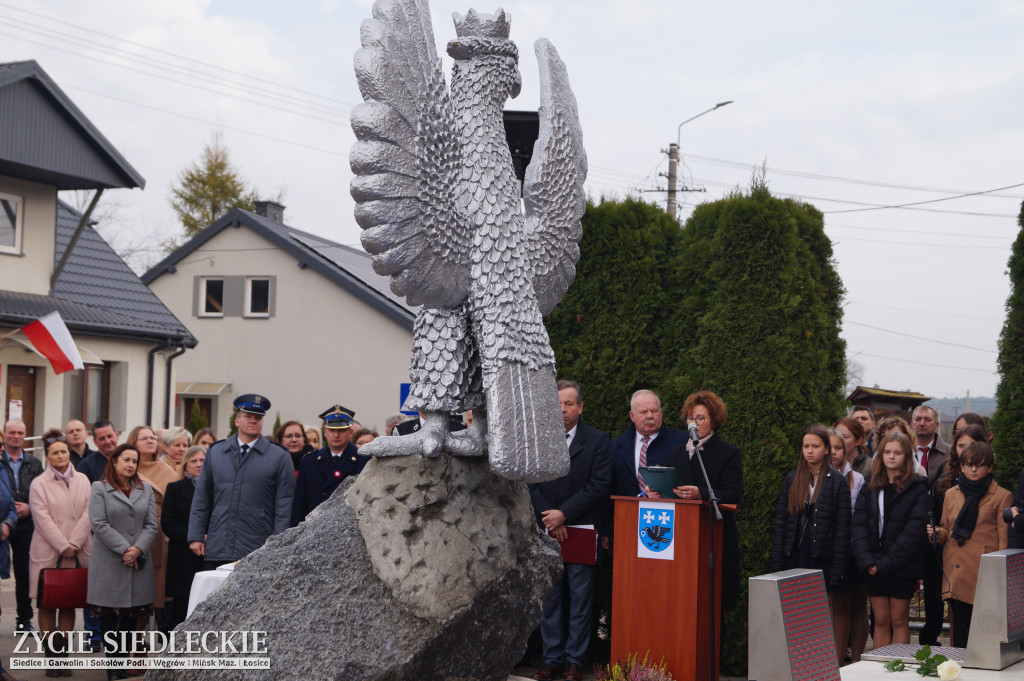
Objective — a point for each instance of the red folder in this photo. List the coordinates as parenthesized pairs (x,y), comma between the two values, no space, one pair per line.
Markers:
(581,545)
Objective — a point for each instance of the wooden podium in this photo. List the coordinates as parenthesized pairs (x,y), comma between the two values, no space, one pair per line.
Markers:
(661,607)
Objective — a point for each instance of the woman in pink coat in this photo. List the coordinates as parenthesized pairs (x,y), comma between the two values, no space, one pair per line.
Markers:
(59,499)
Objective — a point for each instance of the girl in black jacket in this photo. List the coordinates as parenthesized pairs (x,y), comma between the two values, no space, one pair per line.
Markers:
(888,536)
(812,522)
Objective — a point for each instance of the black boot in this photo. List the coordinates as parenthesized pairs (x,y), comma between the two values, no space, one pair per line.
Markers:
(60,644)
(51,653)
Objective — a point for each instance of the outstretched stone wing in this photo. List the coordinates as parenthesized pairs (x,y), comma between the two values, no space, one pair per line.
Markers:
(553,189)
(407,160)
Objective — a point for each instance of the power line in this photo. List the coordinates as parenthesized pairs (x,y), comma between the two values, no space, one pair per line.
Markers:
(922,338)
(175,55)
(924,244)
(919,203)
(931,312)
(835,178)
(173,80)
(929,233)
(928,364)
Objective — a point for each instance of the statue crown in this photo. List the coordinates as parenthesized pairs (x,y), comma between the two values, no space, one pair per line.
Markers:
(482,25)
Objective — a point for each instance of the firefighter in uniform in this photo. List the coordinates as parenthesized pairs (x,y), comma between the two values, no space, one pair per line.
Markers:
(321,472)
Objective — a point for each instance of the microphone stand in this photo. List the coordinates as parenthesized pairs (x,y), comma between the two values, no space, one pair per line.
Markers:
(713,502)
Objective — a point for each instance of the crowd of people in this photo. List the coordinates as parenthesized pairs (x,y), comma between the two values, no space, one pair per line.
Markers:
(876,505)
(144,516)
(881,505)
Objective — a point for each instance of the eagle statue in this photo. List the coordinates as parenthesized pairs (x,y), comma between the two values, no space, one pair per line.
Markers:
(439,204)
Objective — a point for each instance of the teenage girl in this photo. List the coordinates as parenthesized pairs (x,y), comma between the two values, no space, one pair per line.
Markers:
(812,521)
(852,432)
(888,524)
(972,524)
(841,599)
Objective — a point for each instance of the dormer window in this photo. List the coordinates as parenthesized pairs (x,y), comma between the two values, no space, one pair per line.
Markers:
(10,223)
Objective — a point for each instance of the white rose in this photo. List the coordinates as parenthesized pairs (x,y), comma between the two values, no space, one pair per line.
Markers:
(949,671)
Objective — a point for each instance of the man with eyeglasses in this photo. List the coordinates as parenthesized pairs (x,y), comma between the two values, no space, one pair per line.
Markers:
(646,442)
(244,492)
(18,469)
(931,452)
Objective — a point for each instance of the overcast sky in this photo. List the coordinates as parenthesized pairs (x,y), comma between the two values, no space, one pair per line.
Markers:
(851,105)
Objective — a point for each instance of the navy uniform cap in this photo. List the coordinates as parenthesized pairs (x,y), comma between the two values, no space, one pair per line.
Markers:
(338,417)
(251,403)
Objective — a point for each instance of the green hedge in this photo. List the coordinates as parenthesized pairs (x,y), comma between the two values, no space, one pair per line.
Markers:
(1008,421)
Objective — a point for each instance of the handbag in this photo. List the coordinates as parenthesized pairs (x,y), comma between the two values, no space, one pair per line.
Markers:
(61,587)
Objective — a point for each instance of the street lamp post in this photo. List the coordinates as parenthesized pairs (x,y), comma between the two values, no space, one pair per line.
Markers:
(673,157)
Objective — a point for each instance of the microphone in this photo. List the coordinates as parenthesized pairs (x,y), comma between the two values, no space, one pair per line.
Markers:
(693,433)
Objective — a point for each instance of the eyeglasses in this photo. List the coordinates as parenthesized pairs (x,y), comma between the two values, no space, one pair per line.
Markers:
(51,440)
(697,419)
(975,466)
(289,436)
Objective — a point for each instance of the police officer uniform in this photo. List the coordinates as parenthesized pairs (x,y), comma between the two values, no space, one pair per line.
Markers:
(321,472)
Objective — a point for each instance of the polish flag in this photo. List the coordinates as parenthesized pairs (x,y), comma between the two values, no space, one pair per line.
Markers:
(52,339)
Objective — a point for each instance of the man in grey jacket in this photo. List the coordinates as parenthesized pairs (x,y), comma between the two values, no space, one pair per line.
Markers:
(244,493)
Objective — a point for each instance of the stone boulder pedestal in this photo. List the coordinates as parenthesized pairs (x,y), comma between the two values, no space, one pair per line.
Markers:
(419,569)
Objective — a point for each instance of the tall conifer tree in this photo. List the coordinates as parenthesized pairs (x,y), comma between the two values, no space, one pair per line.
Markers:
(1008,421)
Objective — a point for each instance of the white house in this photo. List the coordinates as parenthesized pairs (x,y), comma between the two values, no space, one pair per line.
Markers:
(51,259)
(281,312)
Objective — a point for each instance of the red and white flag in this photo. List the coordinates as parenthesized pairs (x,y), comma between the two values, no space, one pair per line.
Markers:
(52,339)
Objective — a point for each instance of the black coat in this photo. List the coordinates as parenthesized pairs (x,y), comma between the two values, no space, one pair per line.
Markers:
(624,482)
(1016,538)
(320,473)
(725,471)
(898,552)
(830,530)
(182,564)
(582,494)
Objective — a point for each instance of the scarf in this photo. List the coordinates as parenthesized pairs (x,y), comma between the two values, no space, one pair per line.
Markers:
(192,478)
(701,442)
(963,527)
(66,476)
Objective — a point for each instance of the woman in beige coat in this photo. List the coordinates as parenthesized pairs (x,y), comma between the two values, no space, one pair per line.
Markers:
(972,524)
(59,499)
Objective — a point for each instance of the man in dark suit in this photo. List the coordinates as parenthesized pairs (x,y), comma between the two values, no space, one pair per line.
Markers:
(18,469)
(646,442)
(322,471)
(579,498)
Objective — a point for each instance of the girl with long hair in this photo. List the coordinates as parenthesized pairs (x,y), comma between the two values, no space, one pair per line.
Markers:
(812,521)
(888,524)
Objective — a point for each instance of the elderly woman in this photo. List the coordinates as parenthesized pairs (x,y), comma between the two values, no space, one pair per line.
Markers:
(724,465)
(158,475)
(174,442)
(292,436)
(182,564)
(313,437)
(122,511)
(59,499)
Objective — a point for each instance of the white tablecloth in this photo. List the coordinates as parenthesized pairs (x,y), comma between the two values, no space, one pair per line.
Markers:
(205,582)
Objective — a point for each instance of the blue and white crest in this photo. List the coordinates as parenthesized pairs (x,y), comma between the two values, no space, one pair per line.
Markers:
(656,528)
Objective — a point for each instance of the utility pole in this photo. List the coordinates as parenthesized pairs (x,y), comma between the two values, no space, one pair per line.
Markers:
(673,159)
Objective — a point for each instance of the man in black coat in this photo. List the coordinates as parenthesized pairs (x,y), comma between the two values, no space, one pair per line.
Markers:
(579,498)
(322,471)
(19,469)
(646,441)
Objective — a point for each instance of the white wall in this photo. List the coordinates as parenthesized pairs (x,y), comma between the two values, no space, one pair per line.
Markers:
(29,272)
(322,347)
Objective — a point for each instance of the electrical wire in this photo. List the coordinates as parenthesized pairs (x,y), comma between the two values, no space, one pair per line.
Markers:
(921,338)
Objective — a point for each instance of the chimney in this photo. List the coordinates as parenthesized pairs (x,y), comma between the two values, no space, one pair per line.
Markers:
(271,210)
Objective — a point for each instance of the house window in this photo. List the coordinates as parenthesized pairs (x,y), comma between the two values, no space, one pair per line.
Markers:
(10,224)
(90,394)
(211,297)
(257,297)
